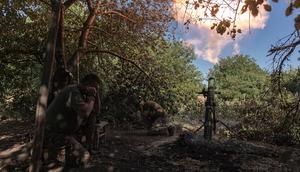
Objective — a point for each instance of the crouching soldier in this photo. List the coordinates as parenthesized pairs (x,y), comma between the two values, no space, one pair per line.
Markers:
(152,112)
(74,108)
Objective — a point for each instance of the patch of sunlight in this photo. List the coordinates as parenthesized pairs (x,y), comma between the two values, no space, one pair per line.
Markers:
(23,156)
(8,99)
(58,169)
(110,168)
(5,137)
(11,150)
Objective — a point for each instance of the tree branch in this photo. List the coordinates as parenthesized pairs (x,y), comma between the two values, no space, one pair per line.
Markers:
(60,43)
(116,12)
(43,94)
(236,11)
(82,44)
(280,48)
(120,57)
(90,5)
(281,53)
(68,3)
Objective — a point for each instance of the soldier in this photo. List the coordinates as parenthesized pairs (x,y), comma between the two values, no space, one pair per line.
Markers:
(152,112)
(75,107)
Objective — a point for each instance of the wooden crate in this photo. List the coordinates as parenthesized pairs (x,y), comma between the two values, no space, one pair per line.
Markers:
(100,134)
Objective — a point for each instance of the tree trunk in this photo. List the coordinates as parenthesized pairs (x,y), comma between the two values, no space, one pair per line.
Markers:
(43,92)
(60,43)
(82,45)
(60,64)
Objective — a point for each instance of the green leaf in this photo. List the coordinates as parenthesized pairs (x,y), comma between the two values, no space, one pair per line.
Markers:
(289,10)
(297,4)
(267,7)
(254,12)
(28,20)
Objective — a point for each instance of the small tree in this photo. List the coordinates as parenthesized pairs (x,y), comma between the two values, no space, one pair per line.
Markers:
(238,77)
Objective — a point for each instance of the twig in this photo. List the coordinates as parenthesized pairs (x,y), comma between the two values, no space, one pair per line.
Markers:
(236,11)
(280,48)
(233,132)
(120,57)
(115,12)
(198,128)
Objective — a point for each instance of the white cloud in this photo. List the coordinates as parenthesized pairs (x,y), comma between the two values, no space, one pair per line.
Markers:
(206,42)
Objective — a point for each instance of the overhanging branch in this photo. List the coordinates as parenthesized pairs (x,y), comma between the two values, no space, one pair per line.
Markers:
(117,13)
(120,57)
(128,60)
(280,48)
(82,44)
(281,53)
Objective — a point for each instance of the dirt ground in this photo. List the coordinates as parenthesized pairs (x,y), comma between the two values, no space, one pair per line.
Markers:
(135,150)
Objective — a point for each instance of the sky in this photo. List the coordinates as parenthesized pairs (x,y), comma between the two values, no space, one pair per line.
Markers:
(265,30)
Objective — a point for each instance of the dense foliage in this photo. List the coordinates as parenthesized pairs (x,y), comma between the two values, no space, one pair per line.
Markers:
(166,75)
(248,101)
(291,81)
(238,77)
(128,51)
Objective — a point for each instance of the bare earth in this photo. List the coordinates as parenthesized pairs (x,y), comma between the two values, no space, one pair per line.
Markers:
(134,150)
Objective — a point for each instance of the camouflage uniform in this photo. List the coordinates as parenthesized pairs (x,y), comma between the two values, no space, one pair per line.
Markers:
(66,115)
(151,112)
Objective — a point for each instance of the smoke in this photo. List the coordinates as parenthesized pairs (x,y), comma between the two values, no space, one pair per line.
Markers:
(236,48)
(207,44)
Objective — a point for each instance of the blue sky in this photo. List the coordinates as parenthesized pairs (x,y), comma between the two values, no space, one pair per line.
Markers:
(257,42)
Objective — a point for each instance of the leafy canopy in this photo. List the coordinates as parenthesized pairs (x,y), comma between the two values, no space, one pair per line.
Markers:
(238,77)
